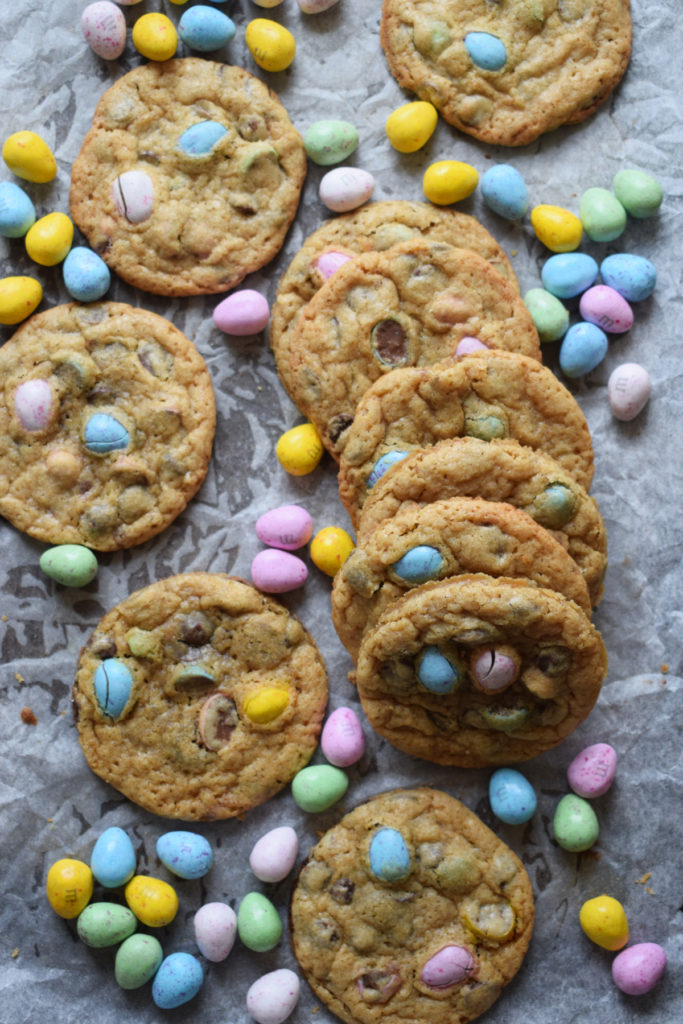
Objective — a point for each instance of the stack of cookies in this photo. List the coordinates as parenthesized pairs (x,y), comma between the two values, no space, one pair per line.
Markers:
(464,467)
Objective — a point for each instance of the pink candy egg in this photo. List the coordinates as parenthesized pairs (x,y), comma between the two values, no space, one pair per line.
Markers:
(628,390)
(215,927)
(637,969)
(288,527)
(275,572)
(273,856)
(345,188)
(592,772)
(104,28)
(329,262)
(272,997)
(133,195)
(242,313)
(469,344)
(34,404)
(449,966)
(608,309)
(493,670)
(342,740)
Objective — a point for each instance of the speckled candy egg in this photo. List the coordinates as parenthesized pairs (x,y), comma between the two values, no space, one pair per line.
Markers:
(274,854)
(113,858)
(113,685)
(205,29)
(258,923)
(628,390)
(342,740)
(272,997)
(329,142)
(512,796)
(602,215)
(105,924)
(504,191)
(287,527)
(583,347)
(275,571)
(186,854)
(34,404)
(104,29)
(637,969)
(450,966)
(215,929)
(318,787)
(17,212)
(592,771)
(389,855)
(608,309)
(632,276)
(178,980)
(137,960)
(575,824)
(638,192)
(72,565)
(153,901)
(86,276)
(568,274)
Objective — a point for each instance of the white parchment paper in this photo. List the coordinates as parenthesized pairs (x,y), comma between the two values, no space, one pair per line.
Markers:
(51,805)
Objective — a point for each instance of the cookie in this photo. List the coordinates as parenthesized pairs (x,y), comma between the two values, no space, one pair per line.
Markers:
(374,227)
(189,177)
(107,418)
(410,909)
(488,394)
(507,72)
(442,539)
(497,471)
(409,306)
(475,671)
(198,697)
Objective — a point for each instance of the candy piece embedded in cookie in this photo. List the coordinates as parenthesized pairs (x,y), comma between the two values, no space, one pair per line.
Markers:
(475,671)
(107,418)
(189,177)
(199,697)
(409,306)
(507,72)
(410,909)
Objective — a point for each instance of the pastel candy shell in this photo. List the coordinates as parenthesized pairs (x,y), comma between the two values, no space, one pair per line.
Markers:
(288,527)
(215,930)
(342,740)
(112,860)
(104,29)
(137,960)
(105,924)
(72,565)
(258,923)
(243,313)
(329,262)
(186,854)
(504,191)
(17,212)
(318,787)
(450,966)
(637,969)
(512,796)
(272,998)
(389,855)
(274,854)
(133,195)
(205,29)
(592,771)
(86,276)
(632,276)
(178,980)
(346,188)
(628,390)
(34,404)
(608,309)
(275,572)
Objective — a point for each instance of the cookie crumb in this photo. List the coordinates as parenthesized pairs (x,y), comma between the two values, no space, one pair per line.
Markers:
(4,618)
(15,953)
(28,717)
(644,879)
(649,891)
(664,669)
(19,678)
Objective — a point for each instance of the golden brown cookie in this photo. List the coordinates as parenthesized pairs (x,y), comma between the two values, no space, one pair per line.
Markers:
(410,909)
(107,418)
(189,177)
(199,697)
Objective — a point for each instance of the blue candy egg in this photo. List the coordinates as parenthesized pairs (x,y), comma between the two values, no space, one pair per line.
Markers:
(504,191)
(389,855)
(205,28)
(112,861)
(113,684)
(86,276)
(583,347)
(486,51)
(200,139)
(186,854)
(512,796)
(436,672)
(17,212)
(568,274)
(384,463)
(105,434)
(632,276)
(418,565)
(178,980)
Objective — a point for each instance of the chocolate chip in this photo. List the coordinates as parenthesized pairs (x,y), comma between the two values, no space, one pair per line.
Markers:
(389,342)
(195,629)
(342,890)
(337,426)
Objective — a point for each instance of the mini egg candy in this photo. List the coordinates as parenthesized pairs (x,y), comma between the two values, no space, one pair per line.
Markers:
(383,464)
(449,181)
(315,6)
(504,191)
(342,741)
(137,960)
(575,824)
(550,317)
(494,668)
(185,854)
(637,970)
(200,138)
(318,787)
(329,262)
(583,347)
(409,127)
(133,195)
(632,276)
(103,433)
(266,704)
(215,929)
(467,345)
(639,193)
(29,157)
(345,188)
(275,571)
(155,37)
(113,684)
(486,51)
(602,215)
(17,212)
(628,390)
(205,29)
(592,771)
(49,239)
(153,901)
(178,979)
(72,565)
(288,527)
(112,860)
(299,450)
(556,228)
(86,276)
(34,404)
(511,796)
(330,548)
(258,923)
(243,313)
(450,966)
(272,997)
(419,564)
(272,46)
(568,274)
(69,887)
(105,924)
(261,3)
(330,142)
(604,921)
(436,673)
(608,309)
(389,855)
(104,29)
(273,855)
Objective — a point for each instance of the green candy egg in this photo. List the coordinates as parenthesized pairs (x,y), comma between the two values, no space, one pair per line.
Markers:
(575,825)
(602,215)
(638,192)
(105,924)
(137,960)
(319,786)
(329,142)
(73,565)
(258,923)
(550,316)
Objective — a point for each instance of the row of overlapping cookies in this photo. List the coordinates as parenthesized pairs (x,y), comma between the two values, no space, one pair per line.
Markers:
(464,466)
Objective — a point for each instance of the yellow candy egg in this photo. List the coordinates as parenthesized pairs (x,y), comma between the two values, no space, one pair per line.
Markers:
(153,901)
(330,548)
(410,126)
(604,922)
(449,181)
(50,238)
(300,449)
(155,37)
(69,887)
(494,921)
(29,157)
(271,45)
(557,228)
(266,704)
(19,296)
